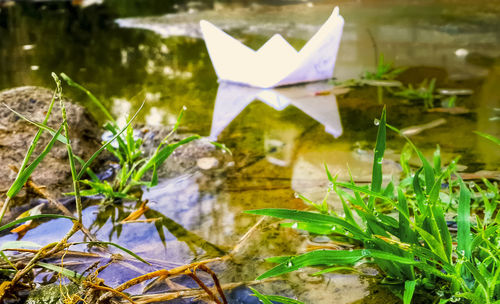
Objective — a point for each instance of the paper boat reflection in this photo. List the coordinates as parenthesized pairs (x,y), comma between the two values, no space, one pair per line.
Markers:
(276,63)
(232,99)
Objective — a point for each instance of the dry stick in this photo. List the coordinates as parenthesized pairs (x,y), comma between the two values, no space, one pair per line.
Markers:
(109,289)
(192,275)
(43,193)
(190,293)
(183,268)
(158,273)
(42,253)
(215,279)
(161,272)
(246,236)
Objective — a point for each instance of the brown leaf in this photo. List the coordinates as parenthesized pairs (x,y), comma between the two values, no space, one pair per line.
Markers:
(136,214)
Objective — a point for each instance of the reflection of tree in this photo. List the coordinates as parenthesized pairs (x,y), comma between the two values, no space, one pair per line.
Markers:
(115,213)
(110,61)
(148,7)
(192,240)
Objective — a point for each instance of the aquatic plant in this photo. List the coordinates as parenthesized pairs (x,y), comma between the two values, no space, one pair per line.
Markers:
(133,165)
(384,71)
(24,173)
(425,91)
(383,77)
(89,288)
(414,248)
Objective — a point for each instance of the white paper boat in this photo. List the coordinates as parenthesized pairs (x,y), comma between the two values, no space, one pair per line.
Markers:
(276,63)
(232,99)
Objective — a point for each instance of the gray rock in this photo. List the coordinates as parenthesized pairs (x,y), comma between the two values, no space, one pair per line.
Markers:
(16,135)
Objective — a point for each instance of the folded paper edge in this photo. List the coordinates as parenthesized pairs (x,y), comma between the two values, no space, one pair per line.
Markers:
(207,26)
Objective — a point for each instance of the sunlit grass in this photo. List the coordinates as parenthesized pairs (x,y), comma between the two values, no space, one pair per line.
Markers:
(413,247)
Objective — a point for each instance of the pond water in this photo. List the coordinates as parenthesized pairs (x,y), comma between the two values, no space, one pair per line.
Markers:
(279,149)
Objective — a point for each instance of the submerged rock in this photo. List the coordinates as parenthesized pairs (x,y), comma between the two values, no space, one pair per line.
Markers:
(49,294)
(243,295)
(16,135)
(195,156)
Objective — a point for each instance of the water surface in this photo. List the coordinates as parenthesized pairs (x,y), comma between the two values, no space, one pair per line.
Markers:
(279,143)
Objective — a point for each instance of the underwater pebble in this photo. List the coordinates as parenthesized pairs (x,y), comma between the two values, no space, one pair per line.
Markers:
(206,163)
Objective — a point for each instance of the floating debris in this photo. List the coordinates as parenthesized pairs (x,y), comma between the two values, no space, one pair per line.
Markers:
(455,92)
(414,130)
(452,110)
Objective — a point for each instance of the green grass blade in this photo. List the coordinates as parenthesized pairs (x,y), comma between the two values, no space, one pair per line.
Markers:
(428,174)
(18,244)
(26,173)
(283,300)
(33,217)
(484,235)
(52,132)
(463,221)
(358,189)
(69,149)
(70,274)
(35,139)
(364,190)
(420,197)
(6,259)
(429,256)
(315,258)
(89,171)
(444,232)
(378,158)
(158,158)
(261,297)
(479,278)
(222,147)
(310,217)
(406,234)
(119,247)
(279,259)
(389,257)
(90,95)
(94,156)
(435,245)
(313,228)
(123,148)
(405,157)
(488,137)
(409,290)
